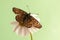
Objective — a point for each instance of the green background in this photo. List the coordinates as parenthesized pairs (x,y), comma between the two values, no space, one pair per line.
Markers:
(49,13)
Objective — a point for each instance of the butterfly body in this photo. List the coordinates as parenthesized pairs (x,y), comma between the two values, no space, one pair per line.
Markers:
(25,19)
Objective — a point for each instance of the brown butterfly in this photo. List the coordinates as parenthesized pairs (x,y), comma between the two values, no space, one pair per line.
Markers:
(25,19)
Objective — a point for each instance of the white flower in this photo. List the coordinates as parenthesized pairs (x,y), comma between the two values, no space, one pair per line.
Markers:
(22,29)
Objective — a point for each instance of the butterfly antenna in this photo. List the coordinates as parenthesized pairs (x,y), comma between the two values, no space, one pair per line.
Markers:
(28,8)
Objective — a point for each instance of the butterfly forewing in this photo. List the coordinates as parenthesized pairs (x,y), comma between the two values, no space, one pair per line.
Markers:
(18,11)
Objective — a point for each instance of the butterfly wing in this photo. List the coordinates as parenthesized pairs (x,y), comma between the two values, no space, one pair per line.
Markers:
(32,22)
(18,11)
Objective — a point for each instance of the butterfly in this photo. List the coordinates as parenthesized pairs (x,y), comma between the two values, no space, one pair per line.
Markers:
(25,20)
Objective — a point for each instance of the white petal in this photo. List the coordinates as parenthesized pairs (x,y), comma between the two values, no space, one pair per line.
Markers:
(30,29)
(17,30)
(36,17)
(25,31)
(15,23)
(20,30)
(33,29)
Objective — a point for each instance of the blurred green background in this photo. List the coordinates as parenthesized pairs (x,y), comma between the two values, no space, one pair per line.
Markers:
(49,13)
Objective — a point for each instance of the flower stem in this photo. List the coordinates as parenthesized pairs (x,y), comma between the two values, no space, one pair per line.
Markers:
(31,36)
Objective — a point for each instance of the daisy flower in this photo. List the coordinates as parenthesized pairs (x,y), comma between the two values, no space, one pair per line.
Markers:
(22,30)
(25,23)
